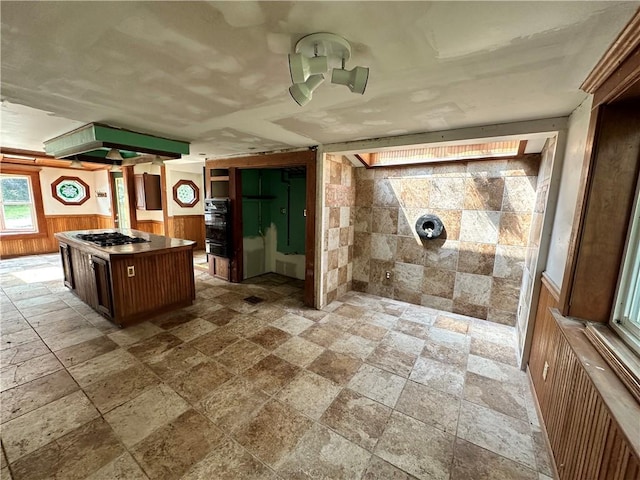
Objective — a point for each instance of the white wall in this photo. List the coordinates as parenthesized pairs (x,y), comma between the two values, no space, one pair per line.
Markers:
(101,178)
(92,206)
(568,195)
(188,171)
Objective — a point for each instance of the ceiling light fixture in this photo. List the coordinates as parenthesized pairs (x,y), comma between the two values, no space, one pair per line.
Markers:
(75,163)
(315,55)
(303,92)
(301,67)
(157,160)
(114,154)
(355,79)
(115,168)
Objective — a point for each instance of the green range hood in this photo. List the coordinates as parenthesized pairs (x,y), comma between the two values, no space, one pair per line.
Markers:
(92,142)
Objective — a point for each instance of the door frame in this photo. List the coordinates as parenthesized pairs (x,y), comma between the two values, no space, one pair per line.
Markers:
(305,158)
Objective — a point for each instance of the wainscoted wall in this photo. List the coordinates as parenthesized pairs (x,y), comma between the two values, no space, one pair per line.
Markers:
(340,196)
(151,226)
(188,227)
(475,268)
(48,243)
(587,442)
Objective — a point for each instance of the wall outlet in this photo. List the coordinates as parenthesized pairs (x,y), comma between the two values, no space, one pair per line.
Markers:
(387,275)
(545,370)
(131,271)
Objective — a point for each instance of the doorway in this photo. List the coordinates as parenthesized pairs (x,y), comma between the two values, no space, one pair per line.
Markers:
(119,206)
(273,221)
(278,161)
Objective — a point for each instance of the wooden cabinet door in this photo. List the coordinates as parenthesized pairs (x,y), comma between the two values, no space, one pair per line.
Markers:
(102,275)
(67,265)
(148,192)
(219,267)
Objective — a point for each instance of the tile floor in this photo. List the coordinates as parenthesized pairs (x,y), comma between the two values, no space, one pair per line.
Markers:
(368,388)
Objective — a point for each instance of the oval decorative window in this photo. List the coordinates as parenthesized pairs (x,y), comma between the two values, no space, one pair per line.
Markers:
(186,193)
(70,190)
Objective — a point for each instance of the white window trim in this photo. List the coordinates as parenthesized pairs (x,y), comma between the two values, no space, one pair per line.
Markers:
(31,203)
(629,284)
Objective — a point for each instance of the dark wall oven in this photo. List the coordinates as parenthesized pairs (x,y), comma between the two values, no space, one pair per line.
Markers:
(217,220)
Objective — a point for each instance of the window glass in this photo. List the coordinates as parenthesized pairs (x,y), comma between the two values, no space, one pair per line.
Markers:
(626,315)
(16,201)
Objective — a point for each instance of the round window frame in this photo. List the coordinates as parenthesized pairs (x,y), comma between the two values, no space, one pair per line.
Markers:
(194,187)
(64,201)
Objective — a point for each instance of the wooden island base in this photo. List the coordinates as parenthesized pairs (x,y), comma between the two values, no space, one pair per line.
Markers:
(129,283)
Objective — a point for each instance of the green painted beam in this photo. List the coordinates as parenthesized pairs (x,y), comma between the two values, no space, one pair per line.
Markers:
(94,138)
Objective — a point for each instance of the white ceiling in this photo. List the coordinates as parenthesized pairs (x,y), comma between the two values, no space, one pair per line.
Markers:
(216,73)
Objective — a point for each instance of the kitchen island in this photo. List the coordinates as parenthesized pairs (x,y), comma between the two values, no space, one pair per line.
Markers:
(130,282)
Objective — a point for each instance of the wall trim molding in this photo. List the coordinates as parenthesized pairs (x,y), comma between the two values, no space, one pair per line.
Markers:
(554,290)
(545,125)
(619,50)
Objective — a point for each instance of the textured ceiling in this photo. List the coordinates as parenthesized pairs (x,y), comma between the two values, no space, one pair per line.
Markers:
(216,74)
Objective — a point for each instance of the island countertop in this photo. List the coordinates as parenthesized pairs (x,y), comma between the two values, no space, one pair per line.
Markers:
(155,243)
(128,283)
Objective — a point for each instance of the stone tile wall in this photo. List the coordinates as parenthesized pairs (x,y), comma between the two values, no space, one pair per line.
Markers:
(475,268)
(338,227)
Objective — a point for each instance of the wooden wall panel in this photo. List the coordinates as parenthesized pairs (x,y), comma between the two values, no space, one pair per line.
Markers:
(47,244)
(609,200)
(586,441)
(151,226)
(163,279)
(188,227)
(105,221)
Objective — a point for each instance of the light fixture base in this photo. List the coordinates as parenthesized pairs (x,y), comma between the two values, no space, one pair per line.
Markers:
(324,44)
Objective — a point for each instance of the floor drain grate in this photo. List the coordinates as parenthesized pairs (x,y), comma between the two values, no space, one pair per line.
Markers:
(253,300)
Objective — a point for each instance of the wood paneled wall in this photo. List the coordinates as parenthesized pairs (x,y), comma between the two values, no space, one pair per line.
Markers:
(163,279)
(150,226)
(48,244)
(188,227)
(586,441)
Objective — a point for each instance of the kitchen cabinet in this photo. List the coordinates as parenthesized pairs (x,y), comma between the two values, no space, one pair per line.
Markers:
(217,180)
(129,283)
(102,282)
(148,192)
(219,267)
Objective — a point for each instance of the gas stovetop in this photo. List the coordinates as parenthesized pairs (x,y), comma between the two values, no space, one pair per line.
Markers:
(109,239)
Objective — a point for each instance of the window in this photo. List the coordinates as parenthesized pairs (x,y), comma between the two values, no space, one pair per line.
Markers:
(626,314)
(445,152)
(186,193)
(70,190)
(18,210)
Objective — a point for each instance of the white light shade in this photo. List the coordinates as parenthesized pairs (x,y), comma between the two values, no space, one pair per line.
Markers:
(355,79)
(114,154)
(76,164)
(157,160)
(301,67)
(115,168)
(302,92)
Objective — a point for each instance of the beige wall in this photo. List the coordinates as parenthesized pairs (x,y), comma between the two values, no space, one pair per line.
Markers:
(96,181)
(476,267)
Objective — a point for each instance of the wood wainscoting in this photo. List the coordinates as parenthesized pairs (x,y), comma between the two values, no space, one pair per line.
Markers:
(590,418)
(188,227)
(47,243)
(151,226)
